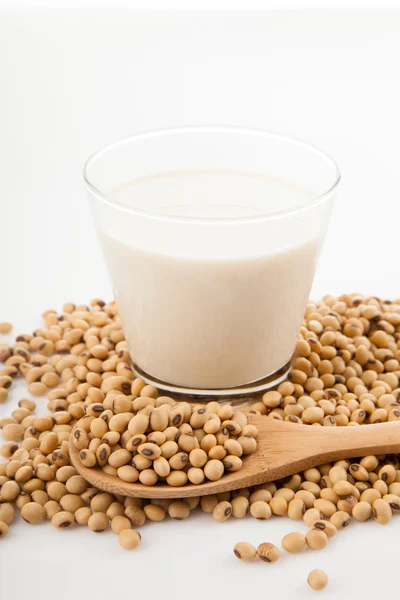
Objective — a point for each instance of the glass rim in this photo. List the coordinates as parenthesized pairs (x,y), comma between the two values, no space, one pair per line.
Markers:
(262,133)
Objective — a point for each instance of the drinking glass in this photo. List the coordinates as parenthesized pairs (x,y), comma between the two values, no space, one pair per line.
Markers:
(211,237)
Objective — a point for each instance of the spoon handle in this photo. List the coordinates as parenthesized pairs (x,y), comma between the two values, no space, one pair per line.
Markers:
(285,449)
(326,444)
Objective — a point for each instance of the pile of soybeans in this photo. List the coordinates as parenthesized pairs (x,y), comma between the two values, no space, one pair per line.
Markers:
(345,372)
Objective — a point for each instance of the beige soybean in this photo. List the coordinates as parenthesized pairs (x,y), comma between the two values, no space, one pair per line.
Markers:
(5,327)
(51,507)
(64,473)
(71,503)
(315,474)
(343,488)
(129,539)
(196,475)
(154,512)
(3,530)
(141,462)
(76,485)
(222,511)
(149,450)
(149,477)
(40,496)
(214,470)
(88,458)
(22,499)
(293,542)
(369,463)
(279,506)
(188,442)
(9,491)
(240,507)
(381,511)
(393,500)
(128,473)
(56,490)
(13,432)
(370,495)
(169,449)
(7,513)
(101,502)
(285,493)
(316,539)
(388,474)
(307,497)
(179,509)
(98,427)
(217,453)
(260,494)
(198,457)
(62,519)
(119,523)
(119,457)
(296,509)
(232,463)
(233,448)
(260,510)
(136,515)
(249,444)
(340,519)
(156,437)
(33,513)
(362,511)
(326,507)
(98,522)
(244,551)
(178,461)
(268,552)
(317,579)
(159,419)
(44,472)
(337,474)
(358,472)
(325,526)
(311,515)
(115,509)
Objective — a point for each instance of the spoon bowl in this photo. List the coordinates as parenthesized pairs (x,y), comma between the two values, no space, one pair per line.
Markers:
(283,448)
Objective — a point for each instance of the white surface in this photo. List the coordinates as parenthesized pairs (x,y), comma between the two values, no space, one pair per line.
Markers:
(74,80)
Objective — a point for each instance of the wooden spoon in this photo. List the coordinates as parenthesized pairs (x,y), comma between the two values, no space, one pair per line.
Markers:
(283,449)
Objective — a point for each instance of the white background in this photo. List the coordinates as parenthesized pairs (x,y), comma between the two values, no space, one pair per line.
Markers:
(72,80)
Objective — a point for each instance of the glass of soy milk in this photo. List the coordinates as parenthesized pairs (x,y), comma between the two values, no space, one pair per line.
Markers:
(211,237)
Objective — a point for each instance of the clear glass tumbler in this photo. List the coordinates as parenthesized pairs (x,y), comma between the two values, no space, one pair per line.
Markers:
(211,237)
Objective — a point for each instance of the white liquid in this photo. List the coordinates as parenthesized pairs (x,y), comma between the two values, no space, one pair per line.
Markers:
(225,311)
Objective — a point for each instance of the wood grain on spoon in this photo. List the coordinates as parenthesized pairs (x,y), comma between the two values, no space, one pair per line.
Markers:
(282,449)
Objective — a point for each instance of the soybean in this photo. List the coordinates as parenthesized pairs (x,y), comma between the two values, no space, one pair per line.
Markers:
(317,579)
(244,551)
(268,552)
(316,539)
(129,539)
(293,542)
